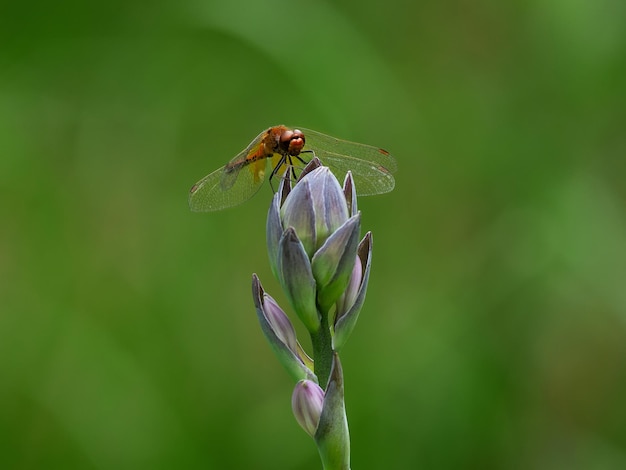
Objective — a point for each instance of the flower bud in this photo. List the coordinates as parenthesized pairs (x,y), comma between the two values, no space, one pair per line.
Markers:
(329,203)
(280,323)
(274,230)
(297,280)
(350,193)
(349,296)
(307,402)
(349,305)
(333,263)
(280,334)
(299,214)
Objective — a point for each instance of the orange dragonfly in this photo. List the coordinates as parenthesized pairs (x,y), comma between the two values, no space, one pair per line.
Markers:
(282,148)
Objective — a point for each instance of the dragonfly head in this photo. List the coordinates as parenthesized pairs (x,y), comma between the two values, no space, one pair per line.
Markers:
(291,142)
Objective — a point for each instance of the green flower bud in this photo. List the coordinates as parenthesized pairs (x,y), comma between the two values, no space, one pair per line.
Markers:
(297,280)
(333,263)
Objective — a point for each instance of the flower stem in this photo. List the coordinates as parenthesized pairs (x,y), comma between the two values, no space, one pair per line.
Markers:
(322,351)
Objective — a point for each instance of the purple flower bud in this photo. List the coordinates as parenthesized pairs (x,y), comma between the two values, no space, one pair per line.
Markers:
(350,193)
(329,203)
(274,230)
(280,323)
(349,296)
(307,402)
(349,306)
(299,214)
(280,334)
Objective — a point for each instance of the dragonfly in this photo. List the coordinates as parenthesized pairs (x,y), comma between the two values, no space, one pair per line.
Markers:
(280,149)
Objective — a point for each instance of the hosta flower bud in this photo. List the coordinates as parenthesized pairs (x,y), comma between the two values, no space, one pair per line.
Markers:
(297,280)
(349,296)
(280,334)
(350,303)
(350,193)
(307,402)
(312,239)
(298,213)
(329,203)
(333,263)
(280,323)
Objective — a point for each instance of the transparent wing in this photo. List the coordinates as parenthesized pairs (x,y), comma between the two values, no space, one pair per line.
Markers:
(371,167)
(209,194)
(251,149)
(368,178)
(231,185)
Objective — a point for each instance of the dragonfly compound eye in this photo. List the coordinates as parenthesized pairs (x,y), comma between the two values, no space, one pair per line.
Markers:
(292,142)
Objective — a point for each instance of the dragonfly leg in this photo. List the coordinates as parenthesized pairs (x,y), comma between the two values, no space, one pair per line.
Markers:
(281,162)
(305,151)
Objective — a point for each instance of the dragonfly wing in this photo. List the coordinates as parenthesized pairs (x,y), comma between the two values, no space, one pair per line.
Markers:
(212,194)
(234,183)
(232,168)
(371,167)
(325,143)
(369,179)
(229,176)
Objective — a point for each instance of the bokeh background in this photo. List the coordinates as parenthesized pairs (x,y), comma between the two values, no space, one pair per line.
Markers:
(494,332)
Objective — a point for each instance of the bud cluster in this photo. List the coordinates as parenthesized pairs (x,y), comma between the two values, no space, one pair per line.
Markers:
(313,243)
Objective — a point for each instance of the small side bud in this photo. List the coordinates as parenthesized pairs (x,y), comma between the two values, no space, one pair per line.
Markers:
(274,230)
(280,323)
(307,402)
(280,334)
(346,301)
(350,192)
(349,307)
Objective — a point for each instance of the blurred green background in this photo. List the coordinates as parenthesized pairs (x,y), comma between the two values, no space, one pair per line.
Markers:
(494,332)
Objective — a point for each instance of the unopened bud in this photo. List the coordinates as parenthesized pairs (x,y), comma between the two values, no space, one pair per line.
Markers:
(307,402)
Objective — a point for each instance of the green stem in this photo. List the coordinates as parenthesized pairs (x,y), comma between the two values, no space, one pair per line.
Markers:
(322,351)
(332,435)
